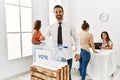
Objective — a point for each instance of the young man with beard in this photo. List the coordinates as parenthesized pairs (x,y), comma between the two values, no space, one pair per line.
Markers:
(62,33)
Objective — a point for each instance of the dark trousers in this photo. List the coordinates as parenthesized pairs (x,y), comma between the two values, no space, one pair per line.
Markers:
(69,61)
(84,60)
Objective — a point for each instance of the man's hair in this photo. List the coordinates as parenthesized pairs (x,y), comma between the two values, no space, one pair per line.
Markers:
(58,6)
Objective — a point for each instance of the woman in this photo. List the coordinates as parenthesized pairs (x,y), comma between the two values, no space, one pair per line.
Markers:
(86,41)
(37,36)
(107,43)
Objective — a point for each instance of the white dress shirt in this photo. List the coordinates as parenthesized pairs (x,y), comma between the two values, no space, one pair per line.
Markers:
(68,33)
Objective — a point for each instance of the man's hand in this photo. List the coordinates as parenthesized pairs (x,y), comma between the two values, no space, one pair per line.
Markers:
(77,57)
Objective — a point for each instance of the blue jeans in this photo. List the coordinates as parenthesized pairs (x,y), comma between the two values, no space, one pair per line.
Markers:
(69,61)
(84,60)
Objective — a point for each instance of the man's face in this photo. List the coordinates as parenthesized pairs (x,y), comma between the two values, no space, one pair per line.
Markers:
(58,13)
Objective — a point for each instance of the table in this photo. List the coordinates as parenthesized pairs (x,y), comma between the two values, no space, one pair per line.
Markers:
(102,65)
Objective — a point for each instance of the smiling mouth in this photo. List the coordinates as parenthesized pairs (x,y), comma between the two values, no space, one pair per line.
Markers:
(58,15)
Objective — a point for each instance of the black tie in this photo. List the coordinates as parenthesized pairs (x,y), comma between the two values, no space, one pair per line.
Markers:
(59,41)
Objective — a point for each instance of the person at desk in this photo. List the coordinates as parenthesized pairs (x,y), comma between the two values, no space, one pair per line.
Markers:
(37,36)
(107,43)
(86,41)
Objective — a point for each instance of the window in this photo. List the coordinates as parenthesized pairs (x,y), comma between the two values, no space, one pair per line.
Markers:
(19,28)
(52,3)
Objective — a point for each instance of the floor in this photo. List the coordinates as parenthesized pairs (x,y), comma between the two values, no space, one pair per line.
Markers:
(75,75)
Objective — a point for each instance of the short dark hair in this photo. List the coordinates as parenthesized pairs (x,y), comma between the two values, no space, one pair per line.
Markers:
(85,25)
(58,6)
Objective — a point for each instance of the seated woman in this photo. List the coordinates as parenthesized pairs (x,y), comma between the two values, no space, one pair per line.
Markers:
(107,43)
(37,36)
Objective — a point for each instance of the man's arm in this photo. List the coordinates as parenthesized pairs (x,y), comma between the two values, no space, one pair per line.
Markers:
(77,43)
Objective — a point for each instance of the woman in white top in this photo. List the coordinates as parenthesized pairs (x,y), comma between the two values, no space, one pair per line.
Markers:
(107,43)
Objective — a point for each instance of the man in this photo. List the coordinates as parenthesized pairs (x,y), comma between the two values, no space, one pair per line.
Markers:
(62,33)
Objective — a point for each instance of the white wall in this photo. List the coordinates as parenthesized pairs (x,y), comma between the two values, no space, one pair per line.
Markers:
(90,10)
(41,11)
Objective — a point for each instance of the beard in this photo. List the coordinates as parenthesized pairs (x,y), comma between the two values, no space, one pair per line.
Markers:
(59,17)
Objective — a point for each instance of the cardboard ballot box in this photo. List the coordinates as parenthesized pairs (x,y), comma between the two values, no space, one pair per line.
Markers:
(49,70)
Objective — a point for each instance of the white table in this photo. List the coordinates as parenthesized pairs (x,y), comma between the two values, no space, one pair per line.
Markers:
(102,65)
